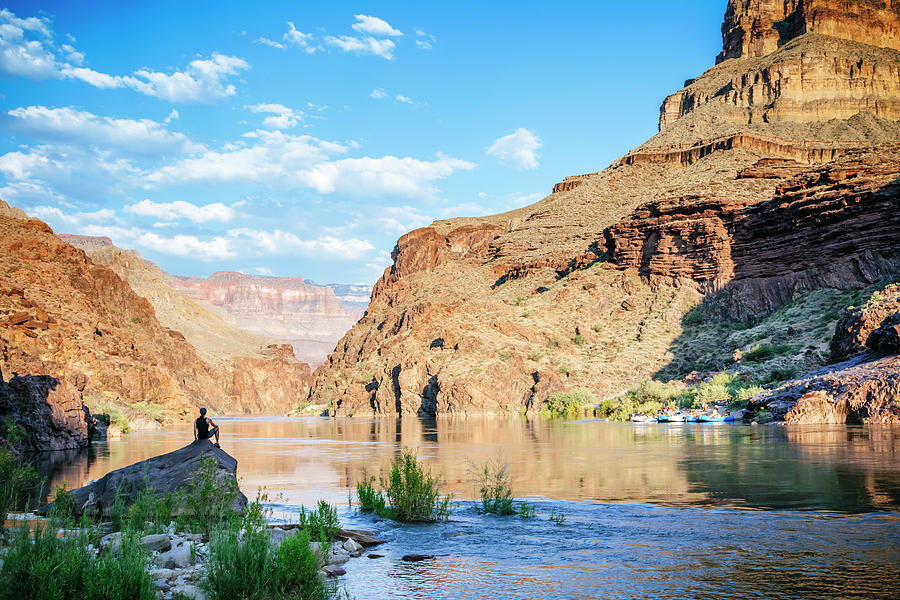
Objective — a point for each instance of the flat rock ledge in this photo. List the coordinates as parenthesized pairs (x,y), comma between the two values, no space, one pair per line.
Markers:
(165,473)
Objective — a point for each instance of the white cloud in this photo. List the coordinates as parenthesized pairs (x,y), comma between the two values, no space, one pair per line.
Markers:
(203,81)
(72,55)
(397,219)
(517,150)
(374,26)
(283,117)
(173,211)
(386,175)
(378,93)
(467,209)
(282,242)
(365,45)
(403,99)
(264,271)
(272,43)
(173,116)
(59,220)
(20,54)
(188,245)
(299,39)
(70,125)
(428,41)
(275,158)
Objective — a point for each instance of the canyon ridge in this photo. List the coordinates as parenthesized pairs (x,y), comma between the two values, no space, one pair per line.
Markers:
(768,201)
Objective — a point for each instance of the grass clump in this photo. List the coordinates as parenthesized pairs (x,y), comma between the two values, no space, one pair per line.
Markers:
(411,492)
(322,524)
(116,416)
(16,477)
(209,502)
(496,494)
(563,404)
(578,340)
(54,567)
(153,411)
(370,499)
(243,565)
(760,353)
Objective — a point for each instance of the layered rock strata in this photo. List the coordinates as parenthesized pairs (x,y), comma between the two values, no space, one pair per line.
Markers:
(307,316)
(66,318)
(774,173)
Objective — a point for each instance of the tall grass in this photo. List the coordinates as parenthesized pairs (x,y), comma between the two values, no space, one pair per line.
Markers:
(16,477)
(242,564)
(370,499)
(410,493)
(321,524)
(52,567)
(495,490)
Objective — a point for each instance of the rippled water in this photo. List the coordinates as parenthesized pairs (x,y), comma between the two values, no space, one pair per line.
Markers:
(651,511)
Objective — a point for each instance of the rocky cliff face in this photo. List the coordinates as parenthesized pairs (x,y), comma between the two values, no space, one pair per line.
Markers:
(774,173)
(72,322)
(256,374)
(754,28)
(307,316)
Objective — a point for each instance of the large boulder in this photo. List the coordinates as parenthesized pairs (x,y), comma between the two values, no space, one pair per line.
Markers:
(166,473)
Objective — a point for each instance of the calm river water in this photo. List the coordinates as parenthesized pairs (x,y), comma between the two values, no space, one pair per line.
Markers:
(651,511)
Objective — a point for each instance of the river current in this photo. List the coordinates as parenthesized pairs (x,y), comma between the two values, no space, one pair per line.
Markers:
(650,510)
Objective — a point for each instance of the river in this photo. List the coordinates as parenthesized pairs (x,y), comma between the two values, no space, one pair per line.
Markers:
(651,510)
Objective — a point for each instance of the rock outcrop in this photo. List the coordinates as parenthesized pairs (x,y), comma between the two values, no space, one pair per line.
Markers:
(875,326)
(172,472)
(64,317)
(47,411)
(855,391)
(774,173)
(290,309)
(754,28)
(256,374)
(835,225)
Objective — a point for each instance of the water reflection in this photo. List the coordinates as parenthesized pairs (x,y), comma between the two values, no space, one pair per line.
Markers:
(839,468)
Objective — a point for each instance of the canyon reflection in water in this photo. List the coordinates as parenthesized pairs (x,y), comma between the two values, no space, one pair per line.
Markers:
(652,511)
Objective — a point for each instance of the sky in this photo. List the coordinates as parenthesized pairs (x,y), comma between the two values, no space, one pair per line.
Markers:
(301,139)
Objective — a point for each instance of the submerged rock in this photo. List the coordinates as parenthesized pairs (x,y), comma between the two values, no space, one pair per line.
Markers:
(166,473)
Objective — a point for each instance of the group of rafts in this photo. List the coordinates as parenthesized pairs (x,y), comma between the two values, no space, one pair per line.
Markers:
(673,415)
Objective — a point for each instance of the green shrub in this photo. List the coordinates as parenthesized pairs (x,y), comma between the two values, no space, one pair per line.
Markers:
(535,355)
(526,510)
(321,524)
(153,411)
(296,569)
(55,567)
(209,501)
(557,517)
(241,564)
(412,492)
(496,494)
(116,417)
(563,404)
(762,353)
(16,477)
(369,498)
(578,340)
(781,374)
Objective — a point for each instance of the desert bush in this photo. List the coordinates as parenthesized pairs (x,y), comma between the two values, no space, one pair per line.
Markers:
(495,491)
(209,501)
(563,404)
(322,524)
(16,476)
(54,567)
(413,494)
(370,499)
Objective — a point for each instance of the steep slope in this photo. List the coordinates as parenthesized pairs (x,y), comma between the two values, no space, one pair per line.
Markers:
(79,323)
(307,316)
(774,173)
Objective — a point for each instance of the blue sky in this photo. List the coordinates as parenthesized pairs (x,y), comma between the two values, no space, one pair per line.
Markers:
(300,138)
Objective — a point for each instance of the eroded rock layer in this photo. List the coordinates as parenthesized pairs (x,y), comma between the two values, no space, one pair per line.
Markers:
(775,172)
(307,316)
(66,318)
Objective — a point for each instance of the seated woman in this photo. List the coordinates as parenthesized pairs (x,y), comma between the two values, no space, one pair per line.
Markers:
(202,427)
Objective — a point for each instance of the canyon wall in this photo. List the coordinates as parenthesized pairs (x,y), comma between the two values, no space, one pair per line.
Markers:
(307,316)
(774,173)
(68,323)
